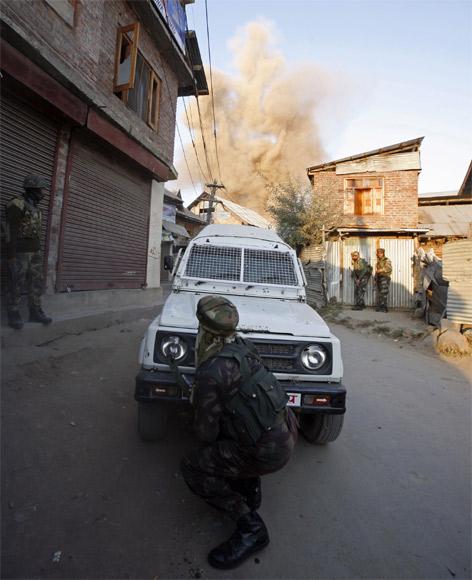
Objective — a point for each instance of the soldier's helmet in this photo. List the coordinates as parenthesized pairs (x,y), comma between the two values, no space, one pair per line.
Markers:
(217,315)
(34,181)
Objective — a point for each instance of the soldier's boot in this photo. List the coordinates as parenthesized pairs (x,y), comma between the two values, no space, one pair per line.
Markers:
(37,314)
(250,536)
(250,489)
(14,319)
(356,307)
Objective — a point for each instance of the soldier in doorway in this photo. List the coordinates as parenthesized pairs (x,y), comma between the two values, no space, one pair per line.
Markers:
(245,428)
(361,273)
(383,273)
(24,257)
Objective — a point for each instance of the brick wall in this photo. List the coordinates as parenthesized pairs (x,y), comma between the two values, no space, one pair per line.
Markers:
(400,198)
(88,49)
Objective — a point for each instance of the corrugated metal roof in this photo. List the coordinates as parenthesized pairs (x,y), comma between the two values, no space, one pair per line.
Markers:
(247,215)
(175,229)
(446,220)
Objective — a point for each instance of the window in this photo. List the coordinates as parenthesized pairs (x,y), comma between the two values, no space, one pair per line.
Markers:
(125,57)
(136,83)
(214,262)
(364,196)
(269,267)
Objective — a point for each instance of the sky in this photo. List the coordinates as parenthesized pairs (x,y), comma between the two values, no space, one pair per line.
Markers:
(400,70)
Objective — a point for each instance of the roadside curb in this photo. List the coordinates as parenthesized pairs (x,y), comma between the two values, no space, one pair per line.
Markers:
(39,335)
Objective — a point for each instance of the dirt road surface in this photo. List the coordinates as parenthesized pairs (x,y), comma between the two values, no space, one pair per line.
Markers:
(83,497)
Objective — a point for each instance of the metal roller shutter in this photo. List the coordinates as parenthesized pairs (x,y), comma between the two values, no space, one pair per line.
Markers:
(28,145)
(105,229)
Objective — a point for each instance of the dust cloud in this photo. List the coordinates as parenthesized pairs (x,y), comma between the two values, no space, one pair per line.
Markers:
(266,120)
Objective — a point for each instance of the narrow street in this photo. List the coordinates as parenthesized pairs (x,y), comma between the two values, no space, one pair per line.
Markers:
(83,497)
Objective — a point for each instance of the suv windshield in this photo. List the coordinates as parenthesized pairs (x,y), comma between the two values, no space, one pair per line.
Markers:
(224,263)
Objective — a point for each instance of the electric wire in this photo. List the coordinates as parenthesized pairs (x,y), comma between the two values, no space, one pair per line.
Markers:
(190,125)
(174,110)
(186,161)
(211,90)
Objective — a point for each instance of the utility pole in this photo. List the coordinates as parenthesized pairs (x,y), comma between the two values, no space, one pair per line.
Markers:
(213,187)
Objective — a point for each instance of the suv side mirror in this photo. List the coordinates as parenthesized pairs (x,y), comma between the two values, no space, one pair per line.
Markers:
(169,263)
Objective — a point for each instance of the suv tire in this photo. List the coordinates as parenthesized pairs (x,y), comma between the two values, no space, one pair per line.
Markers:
(152,421)
(321,429)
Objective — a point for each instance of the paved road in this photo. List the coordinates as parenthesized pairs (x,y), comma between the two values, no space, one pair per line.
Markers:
(389,499)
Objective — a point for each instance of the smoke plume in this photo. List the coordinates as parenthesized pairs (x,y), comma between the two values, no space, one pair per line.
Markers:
(266,120)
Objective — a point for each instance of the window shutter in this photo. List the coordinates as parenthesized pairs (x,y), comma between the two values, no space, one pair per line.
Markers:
(125,57)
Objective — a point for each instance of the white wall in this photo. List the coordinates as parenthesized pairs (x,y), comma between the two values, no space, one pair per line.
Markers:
(153,276)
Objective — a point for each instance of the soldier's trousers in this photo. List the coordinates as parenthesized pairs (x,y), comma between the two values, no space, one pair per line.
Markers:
(359,291)
(26,271)
(208,471)
(383,286)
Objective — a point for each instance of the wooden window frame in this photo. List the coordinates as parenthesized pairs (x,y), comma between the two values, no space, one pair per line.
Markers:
(352,192)
(154,102)
(121,33)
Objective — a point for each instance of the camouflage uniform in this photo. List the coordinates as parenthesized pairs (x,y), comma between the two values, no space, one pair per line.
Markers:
(25,264)
(228,462)
(361,273)
(383,272)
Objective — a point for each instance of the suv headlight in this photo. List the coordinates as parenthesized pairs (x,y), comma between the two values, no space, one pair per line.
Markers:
(313,357)
(174,347)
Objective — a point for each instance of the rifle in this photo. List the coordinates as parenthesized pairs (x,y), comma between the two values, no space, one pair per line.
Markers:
(182,381)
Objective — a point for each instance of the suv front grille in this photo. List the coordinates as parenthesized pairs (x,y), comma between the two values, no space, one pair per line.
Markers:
(268,348)
(280,364)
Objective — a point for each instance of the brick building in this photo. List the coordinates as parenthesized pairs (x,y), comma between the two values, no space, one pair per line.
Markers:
(376,194)
(89,94)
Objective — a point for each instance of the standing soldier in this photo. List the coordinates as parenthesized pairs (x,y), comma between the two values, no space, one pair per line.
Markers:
(244,425)
(25,264)
(361,273)
(383,273)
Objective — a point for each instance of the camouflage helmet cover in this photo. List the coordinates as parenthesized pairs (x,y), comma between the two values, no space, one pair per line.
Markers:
(217,315)
(34,181)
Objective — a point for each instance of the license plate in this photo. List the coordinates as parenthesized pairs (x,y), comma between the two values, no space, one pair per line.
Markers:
(294,399)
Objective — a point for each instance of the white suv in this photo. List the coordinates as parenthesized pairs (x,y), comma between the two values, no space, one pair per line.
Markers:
(261,275)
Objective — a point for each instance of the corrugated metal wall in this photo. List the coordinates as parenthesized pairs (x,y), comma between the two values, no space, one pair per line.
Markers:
(457,269)
(401,253)
(333,270)
(338,268)
(105,229)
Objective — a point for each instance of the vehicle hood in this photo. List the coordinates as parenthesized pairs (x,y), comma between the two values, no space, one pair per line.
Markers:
(255,314)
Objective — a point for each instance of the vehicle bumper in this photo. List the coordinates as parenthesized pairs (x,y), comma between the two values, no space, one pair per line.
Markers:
(154,385)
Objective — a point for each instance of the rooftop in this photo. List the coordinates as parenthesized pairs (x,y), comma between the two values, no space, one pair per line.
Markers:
(403,147)
(248,216)
(446,220)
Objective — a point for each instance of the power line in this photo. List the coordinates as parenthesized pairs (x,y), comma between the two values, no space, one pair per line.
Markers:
(174,110)
(186,161)
(190,124)
(211,88)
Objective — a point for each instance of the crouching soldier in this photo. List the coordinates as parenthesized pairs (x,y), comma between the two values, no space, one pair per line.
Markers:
(361,273)
(245,427)
(383,273)
(24,258)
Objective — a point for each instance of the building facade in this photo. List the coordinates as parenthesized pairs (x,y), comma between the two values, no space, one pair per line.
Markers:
(89,94)
(376,195)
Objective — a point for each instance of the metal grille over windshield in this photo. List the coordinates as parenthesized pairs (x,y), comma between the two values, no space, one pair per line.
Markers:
(269,267)
(214,262)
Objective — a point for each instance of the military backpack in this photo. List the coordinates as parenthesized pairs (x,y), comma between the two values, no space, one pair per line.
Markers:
(259,405)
